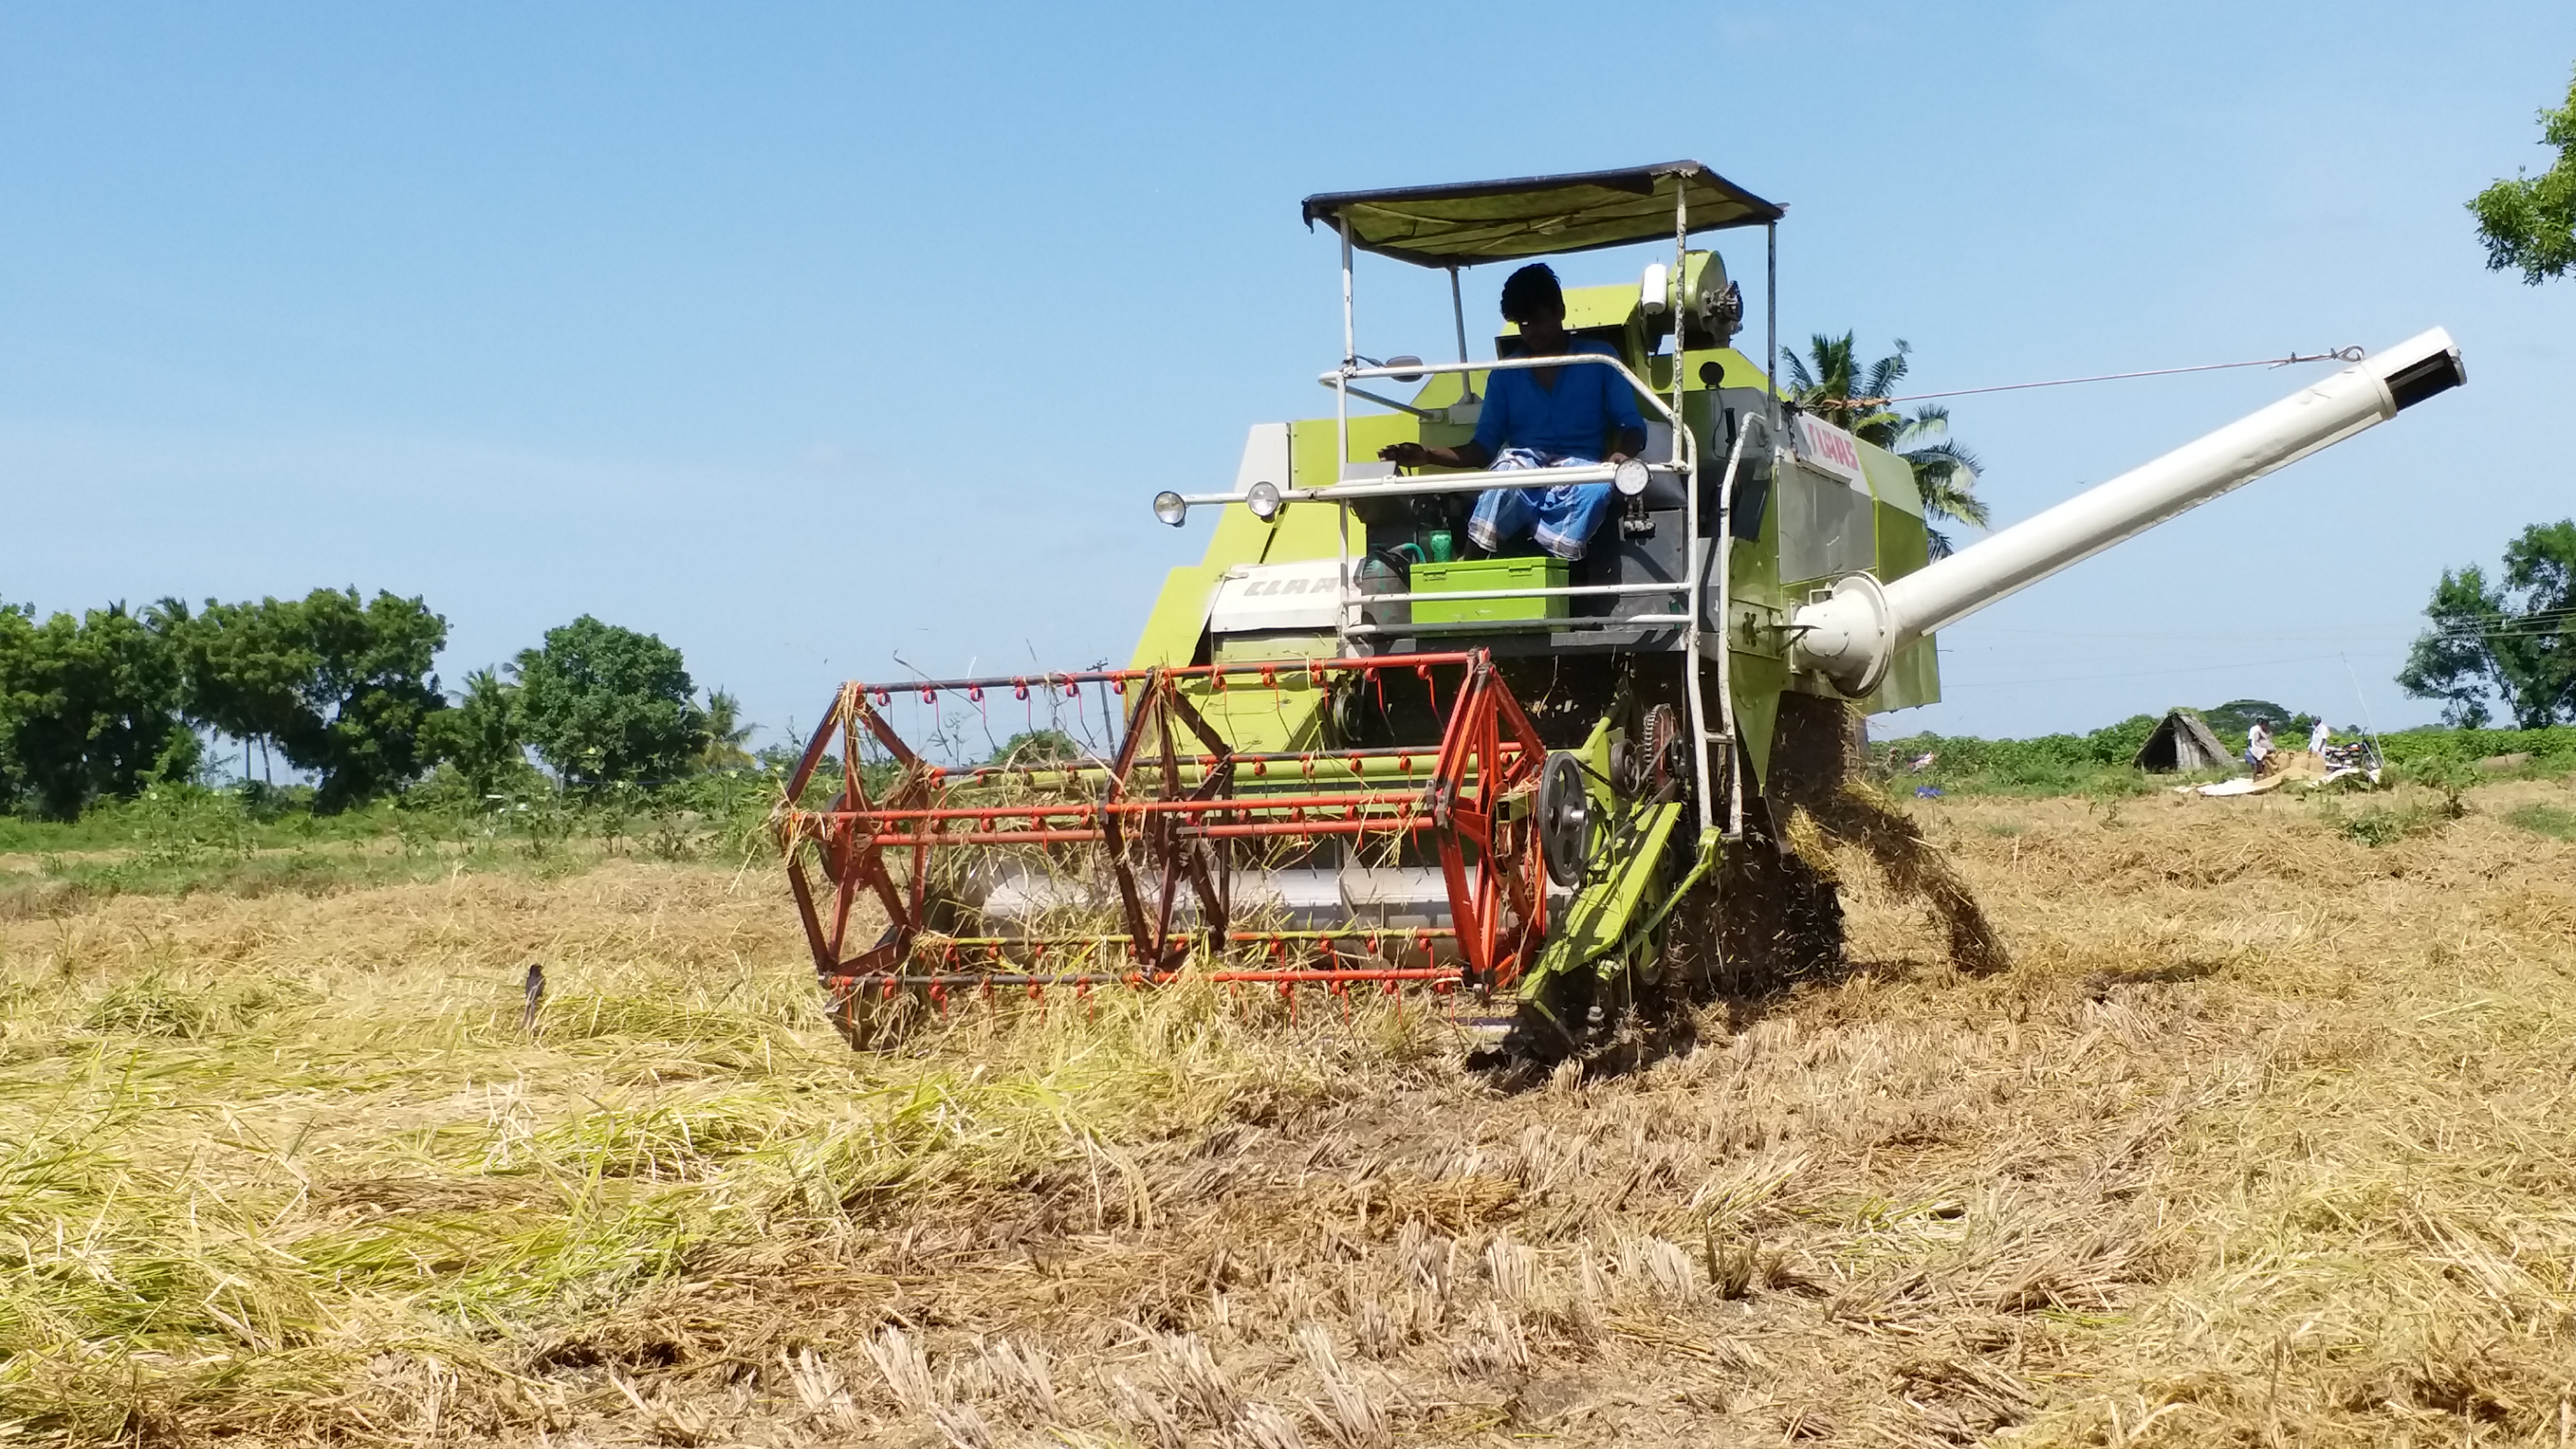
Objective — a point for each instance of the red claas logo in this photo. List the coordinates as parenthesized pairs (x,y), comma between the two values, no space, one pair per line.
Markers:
(1824,443)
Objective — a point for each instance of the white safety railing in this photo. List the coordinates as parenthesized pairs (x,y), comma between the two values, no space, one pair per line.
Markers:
(1682,462)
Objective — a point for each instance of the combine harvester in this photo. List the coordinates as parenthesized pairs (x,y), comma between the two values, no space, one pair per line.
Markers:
(1346,759)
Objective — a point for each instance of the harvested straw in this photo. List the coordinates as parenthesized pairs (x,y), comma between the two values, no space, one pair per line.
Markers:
(2265,1138)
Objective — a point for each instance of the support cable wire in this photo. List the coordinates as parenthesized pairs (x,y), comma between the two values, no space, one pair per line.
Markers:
(2340,354)
(2544,623)
(2034,680)
(2319,638)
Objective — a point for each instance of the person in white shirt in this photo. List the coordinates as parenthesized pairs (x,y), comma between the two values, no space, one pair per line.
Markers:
(2258,743)
(2318,738)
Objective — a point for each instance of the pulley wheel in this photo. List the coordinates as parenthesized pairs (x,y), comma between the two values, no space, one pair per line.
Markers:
(1564,819)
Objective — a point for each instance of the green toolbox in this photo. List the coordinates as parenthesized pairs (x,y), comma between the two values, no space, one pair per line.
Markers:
(1481,575)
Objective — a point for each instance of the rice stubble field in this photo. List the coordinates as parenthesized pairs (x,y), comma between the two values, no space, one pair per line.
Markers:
(2265,1138)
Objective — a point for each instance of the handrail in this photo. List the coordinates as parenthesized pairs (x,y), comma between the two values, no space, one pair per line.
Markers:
(1462,481)
(1725,551)
(1350,613)
(1684,459)
(1586,624)
(1562,591)
(1428,415)
(1412,370)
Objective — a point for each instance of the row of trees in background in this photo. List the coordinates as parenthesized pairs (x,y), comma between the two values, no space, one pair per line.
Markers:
(341,688)
(600,705)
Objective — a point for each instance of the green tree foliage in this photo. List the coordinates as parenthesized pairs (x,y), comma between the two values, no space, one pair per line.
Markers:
(1832,383)
(483,737)
(2552,751)
(2047,764)
(342,686)
(2530,223)
(728,733)
(2234,721)
(89,707)
(376,686)
(1037,747)
(2514,639)
(605,705)
(246,665)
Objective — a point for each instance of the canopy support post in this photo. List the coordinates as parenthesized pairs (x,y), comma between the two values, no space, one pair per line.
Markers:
(1458,315)
(1673,296)
(1770,315)
(1345,586)
(1350,339)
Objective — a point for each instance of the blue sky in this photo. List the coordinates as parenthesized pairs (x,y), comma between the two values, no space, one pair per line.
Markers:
(807,337)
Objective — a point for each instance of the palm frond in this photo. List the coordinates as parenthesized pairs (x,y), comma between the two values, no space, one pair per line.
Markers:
(1880,427)
(1830,381)
(1946,478)
(1931,420)
(1885,373)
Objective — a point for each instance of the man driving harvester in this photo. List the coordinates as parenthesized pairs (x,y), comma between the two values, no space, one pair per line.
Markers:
(1542,417)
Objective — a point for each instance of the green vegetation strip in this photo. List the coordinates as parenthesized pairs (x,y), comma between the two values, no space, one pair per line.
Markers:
(2098,763)
(2553,821)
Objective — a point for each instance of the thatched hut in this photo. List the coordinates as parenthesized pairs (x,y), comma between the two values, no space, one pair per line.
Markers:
(2182,742)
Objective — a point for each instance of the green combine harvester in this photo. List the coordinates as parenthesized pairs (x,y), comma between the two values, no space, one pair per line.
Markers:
(1353,752)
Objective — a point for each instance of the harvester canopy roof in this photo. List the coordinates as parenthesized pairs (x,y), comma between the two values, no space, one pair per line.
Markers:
(1464,223)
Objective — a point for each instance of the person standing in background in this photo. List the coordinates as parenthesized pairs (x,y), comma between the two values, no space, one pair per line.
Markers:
(2258,743)
(2319,738)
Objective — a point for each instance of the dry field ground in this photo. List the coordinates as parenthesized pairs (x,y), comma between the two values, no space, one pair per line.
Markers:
(2268,1138)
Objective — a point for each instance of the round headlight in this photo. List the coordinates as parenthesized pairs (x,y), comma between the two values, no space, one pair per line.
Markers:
(1631,479)
(1263,500)
(1169,508)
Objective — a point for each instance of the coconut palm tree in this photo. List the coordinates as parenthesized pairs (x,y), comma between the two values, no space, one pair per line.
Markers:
(1945,472)
(1832,383)
(727,734)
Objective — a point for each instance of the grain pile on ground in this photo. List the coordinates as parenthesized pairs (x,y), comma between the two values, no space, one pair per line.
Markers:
(2266,1137)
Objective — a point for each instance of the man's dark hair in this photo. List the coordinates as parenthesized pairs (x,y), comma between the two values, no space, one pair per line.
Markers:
(1530,292)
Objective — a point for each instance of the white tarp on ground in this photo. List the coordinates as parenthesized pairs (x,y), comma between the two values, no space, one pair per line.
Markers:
(2242,785)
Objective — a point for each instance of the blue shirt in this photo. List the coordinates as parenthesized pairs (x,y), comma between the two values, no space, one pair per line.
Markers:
(1575,417)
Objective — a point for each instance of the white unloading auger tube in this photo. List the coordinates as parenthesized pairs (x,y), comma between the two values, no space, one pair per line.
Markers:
(1851,636)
